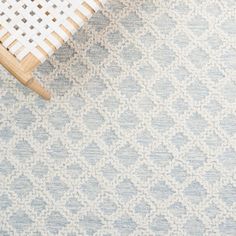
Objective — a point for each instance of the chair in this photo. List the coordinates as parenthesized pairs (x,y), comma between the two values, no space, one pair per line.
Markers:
(32,30)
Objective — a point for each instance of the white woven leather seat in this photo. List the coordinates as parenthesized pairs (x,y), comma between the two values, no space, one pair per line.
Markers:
(31,30)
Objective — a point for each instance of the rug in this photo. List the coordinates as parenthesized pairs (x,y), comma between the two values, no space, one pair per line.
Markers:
(140,136)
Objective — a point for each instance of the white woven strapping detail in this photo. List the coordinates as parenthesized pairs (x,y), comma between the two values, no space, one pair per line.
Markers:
(30,24)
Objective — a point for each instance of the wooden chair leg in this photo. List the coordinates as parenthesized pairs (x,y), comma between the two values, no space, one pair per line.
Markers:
(23,72)
(38,88)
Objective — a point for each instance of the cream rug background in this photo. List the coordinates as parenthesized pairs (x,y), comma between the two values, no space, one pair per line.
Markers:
(139,138)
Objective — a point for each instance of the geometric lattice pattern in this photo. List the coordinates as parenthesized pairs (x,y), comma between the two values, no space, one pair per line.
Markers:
(140,138)
(34,24)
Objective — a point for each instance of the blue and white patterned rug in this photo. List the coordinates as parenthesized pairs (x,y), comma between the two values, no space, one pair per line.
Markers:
(140,136)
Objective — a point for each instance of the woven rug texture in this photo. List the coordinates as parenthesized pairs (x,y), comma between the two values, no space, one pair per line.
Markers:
(140,136)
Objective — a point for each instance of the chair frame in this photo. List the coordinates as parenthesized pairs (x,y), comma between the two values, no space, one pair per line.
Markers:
(23,70)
